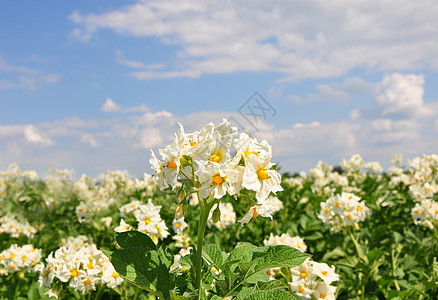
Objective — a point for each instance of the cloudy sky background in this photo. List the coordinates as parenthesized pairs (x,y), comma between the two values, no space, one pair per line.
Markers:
(93,85)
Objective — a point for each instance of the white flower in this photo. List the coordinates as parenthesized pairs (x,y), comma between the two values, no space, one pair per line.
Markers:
(259,178)
(219,179)
(326,273)
(257,210)
(179,225)
(123,227)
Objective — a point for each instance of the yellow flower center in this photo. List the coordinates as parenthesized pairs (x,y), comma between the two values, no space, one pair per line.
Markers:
(255,213)
(11,256)
(90,265)
(2,257)
(338,204)
(87,282)
(426,191)
(147,221)
(301,289)
(217,180)
(74,273)
(324,273)
(24,258)
(303,274)
(178,225)
(349,217)
(327,210)
(115,275)
(322,296)
(216,158)
(263,174)
(171,164)
(193,144)
(359,208)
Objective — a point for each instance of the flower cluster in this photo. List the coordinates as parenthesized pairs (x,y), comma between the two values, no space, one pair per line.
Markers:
(325,181)
(285,239)
(10,225)
(340,211)
(18,258)
(313,279)
(204,158)
(310,278)
(84,267)
(148,218)
(425,213)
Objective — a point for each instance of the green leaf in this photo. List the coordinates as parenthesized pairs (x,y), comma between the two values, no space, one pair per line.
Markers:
(280,256)
(132,239)
(270,295)
(166,255)
(213,254)
(142,267)
(335,253)
(272,285)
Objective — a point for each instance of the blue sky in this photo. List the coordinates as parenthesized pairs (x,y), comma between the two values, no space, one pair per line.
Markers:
(93,85)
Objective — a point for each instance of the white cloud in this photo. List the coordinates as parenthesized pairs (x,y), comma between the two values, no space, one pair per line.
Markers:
(399,94)
(5,67)
(31,80)
(279,36)
(339,92)
(34,136)
(110,106)
(88,139)
(123,142)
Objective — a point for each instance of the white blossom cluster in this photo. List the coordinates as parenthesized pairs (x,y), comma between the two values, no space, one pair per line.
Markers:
(340,211)
(227,216)
(422,170)
(11,225)
(83,267)
(310,279)
(356,165)
(285,239)
(98,195)
(325,180)
(275,203)
(16,258)
(181,237)
(205,157)
(13,179)
(148,218)
(313,279)
(425,213)
(76,241)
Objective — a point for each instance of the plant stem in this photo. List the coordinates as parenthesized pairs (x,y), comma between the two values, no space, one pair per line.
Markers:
(393,270)
(99,292)
(356,245)
(359,253)
(205,211)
